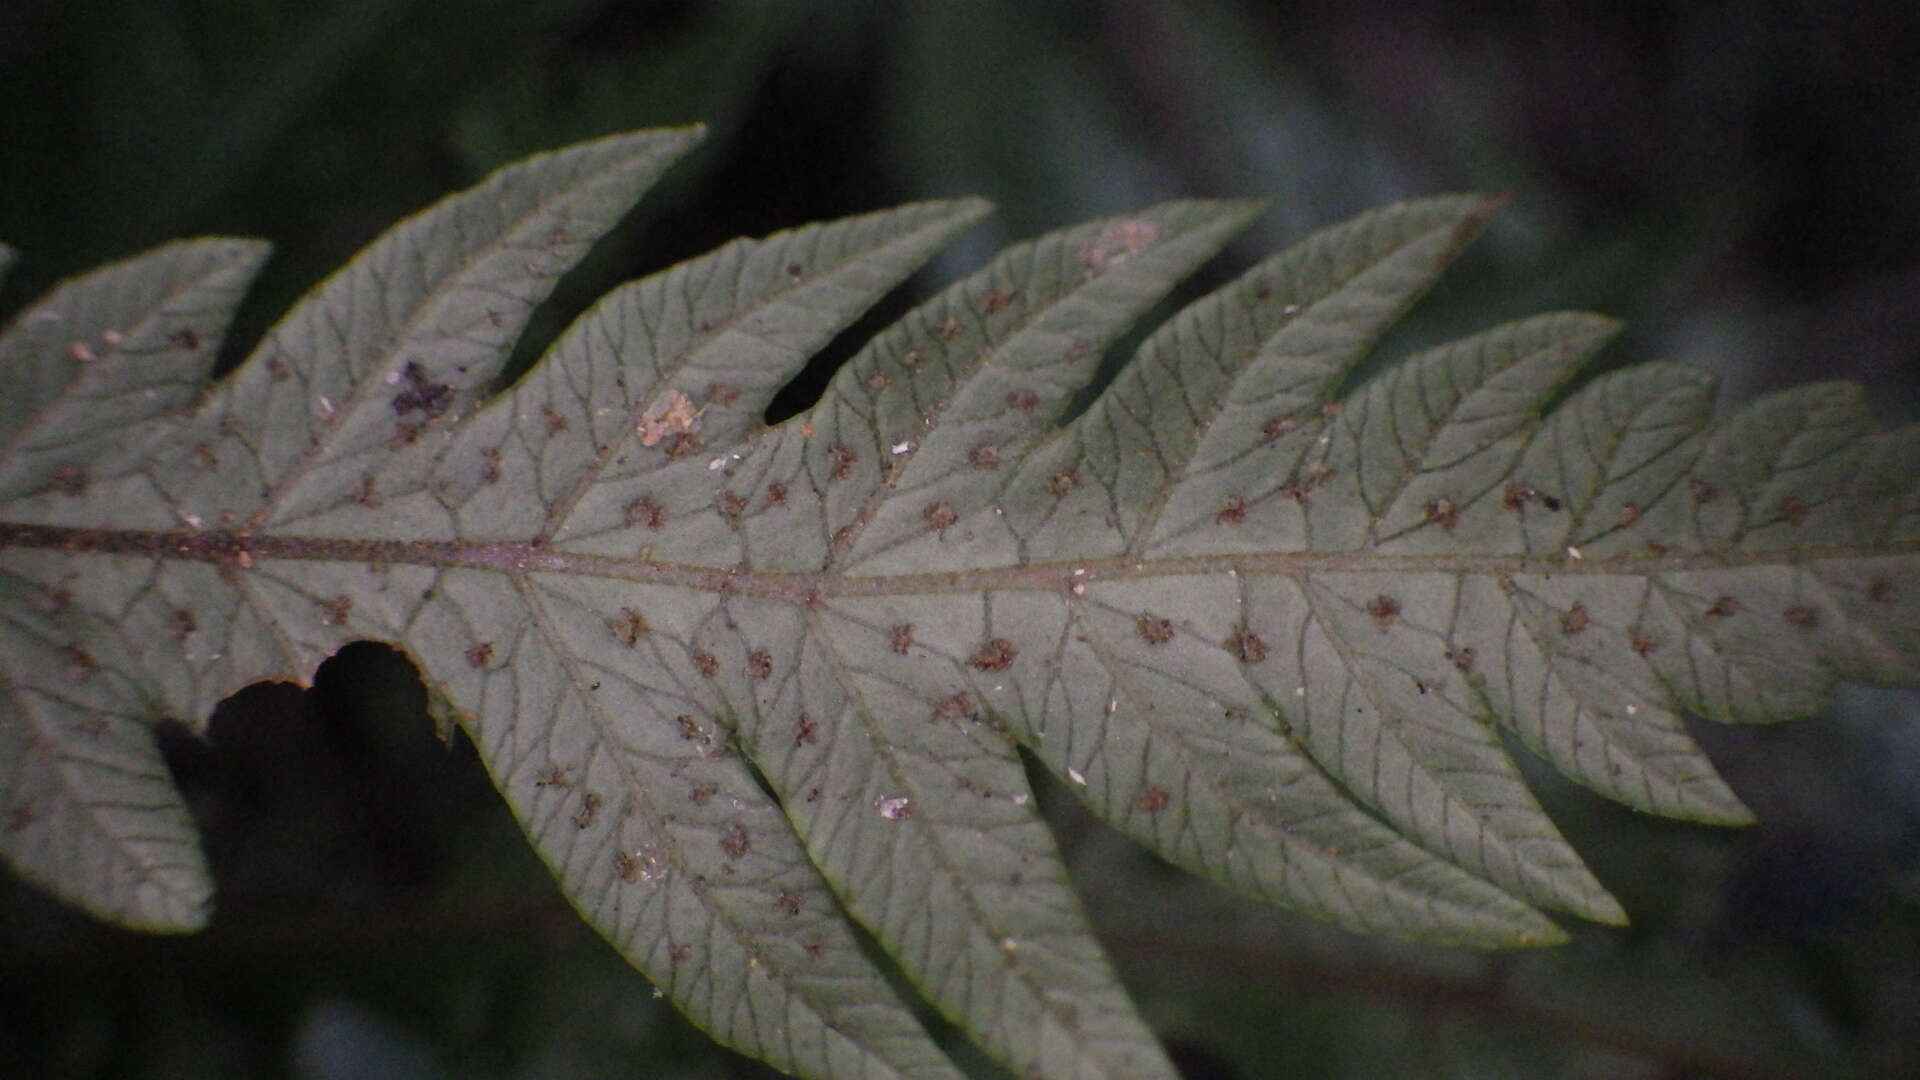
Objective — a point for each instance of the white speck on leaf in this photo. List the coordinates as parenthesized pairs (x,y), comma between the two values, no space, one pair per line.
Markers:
(903,447)
(653,865)
(1574,552)
(1076,776)
(894,807)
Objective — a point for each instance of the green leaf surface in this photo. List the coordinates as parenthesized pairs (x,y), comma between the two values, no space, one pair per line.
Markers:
(756,691)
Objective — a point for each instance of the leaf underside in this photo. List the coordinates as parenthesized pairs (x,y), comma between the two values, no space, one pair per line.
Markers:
(749,687)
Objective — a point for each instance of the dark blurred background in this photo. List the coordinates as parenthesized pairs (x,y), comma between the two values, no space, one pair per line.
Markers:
(1739,181)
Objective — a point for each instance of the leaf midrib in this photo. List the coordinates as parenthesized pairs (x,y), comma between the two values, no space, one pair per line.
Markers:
(242,550)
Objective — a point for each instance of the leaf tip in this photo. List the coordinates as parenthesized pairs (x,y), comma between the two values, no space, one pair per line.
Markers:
(965,211)
(973,207)
(668,142)
(1726,810)
(1605,909)
(1552,934)
(1242,212)
(172,900)
(1489,203)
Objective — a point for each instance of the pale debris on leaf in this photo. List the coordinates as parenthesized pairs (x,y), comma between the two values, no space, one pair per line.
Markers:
(670,415)
(1119,242)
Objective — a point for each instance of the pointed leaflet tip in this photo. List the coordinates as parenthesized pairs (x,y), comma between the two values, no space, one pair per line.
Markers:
(1266,653)
(973,377)
(90,810)
(682,365)
(392,350)
(100,365)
